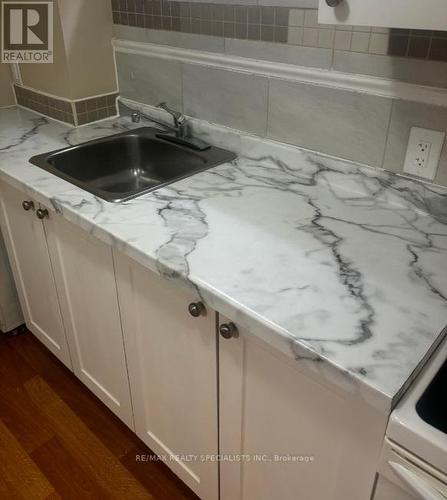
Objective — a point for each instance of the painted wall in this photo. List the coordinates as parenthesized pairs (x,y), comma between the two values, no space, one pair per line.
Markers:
(87,28)
(83,59)
(50,78)
(6,97)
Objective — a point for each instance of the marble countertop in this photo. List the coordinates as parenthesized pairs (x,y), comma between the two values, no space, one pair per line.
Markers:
(340,266)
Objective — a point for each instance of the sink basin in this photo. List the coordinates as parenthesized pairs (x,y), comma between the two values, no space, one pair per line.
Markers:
(123,166)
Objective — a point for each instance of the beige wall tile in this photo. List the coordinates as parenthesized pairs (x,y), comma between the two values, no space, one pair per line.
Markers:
(343,27)
(379,43)
(326,38)
(343,40)
(311,18)
(362,29)
(295,36)
(186,40)
(296,17)
(289,54)
(376,29)
(310,37)
(360,42)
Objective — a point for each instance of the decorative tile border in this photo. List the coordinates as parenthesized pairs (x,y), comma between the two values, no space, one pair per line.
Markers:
(277,24)
(77,112)
(96,108)
(59,109)
(422,44)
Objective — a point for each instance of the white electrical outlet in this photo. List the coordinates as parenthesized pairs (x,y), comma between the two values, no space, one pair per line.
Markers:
(423,152)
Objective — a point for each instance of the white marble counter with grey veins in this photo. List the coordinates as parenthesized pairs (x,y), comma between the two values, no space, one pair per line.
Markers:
(341,266)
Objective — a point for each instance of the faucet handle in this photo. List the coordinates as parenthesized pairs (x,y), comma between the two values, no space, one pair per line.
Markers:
(135,117)
(179,118)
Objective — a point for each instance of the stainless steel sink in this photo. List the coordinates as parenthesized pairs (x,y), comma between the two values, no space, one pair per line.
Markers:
(123,166)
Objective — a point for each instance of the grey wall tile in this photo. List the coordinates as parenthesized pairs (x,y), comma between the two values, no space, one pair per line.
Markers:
(307,4)
(398,68)
(290,54)
(149,80)
(303,4)
(229,98)
(129,33)
(186,40)
(227,2)
(171,38)
(405,115)
(337,122)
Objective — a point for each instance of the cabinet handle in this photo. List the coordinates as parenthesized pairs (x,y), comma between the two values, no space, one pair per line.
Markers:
(228,331)
(41,213)
(196,309)
(27,205)
(334,3)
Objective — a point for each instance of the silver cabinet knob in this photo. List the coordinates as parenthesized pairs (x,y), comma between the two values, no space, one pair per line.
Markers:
(27,205)
(334,3)
(228,330)
(196,309)
(41,213)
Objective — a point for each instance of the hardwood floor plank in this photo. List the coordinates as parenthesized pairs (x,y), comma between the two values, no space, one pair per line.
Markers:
(67,476)
(19,473)
(83,445)
(156,476)
(14,370)
(8,491)
(75,443)
(23,418)
(98,418)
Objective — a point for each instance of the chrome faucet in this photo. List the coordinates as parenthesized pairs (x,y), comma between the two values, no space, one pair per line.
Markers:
(180,123)
(135,117)
(179,133)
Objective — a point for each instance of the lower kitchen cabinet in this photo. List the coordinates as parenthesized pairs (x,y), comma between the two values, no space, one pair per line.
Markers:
(85,279)
(283,434)
(190,391)
(66,282)
(173,374)
(27,248)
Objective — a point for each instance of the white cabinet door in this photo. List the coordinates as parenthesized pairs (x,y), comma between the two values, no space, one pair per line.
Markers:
(10,312)
(294,438)
(28,252)
(85,278)
(425,14)
(173,374)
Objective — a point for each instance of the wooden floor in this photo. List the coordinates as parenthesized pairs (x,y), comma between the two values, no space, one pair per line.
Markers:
(58,441)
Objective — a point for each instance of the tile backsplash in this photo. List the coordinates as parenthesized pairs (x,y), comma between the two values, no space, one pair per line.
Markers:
(366,127)
(95,108)
(58,109)
(278,25)
(77,112)
(361,127)
(419,44)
